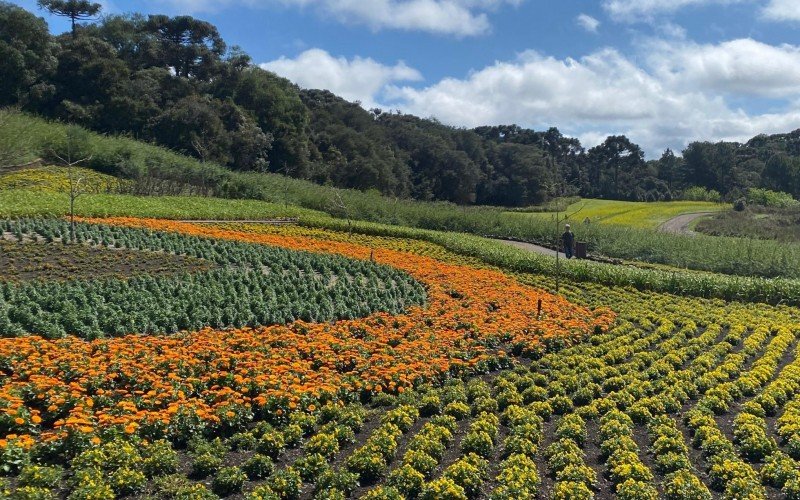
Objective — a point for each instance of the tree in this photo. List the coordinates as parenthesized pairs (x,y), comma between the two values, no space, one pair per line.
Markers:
(616,168)
(189,46)
(710,165)
(72,153)
(88,77)
(26,56)
(669,170)
(193,126)
(75,10)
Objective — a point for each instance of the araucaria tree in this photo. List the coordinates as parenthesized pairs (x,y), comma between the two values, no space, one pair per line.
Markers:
(75,10)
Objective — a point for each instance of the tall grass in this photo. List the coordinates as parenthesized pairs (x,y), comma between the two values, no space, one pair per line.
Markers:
(176,174)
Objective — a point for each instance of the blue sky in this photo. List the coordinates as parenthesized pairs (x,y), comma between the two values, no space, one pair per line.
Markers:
(664,72)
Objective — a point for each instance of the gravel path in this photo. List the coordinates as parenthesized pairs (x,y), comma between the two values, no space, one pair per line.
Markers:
(681,223)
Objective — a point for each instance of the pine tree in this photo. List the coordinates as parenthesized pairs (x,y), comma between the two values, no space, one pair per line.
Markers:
(75,10)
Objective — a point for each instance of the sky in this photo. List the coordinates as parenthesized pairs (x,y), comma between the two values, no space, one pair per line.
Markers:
(662,72)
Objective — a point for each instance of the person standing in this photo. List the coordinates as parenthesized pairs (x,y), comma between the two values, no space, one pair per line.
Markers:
(568,239)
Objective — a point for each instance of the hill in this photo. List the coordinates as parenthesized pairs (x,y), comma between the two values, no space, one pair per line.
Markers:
(174,82)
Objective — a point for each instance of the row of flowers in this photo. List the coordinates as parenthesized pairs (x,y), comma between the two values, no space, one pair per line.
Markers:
(66,392)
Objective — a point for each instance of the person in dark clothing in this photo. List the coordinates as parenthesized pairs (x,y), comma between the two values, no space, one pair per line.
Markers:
(568,238)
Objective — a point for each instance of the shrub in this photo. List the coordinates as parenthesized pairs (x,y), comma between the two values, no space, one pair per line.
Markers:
(792,488)
(420,461)
(636,490)
(204,465)
(228,480)
(159,459)
(517,479)
(561,405)
(572,427)
(340,480)
(384,440)
(671,462)
(258,467)
(28,493)
(40,476)
(577,473)
(368,463)
(442,489)
(768,198)
(243,441)
(95,490)
(383,493)
(479,443)
(330,494)
(271,444)
(430,405)
(683,485)
(467,475)
(571,491)
(407,480)
(517,443)
(777,470)
(262,493)
(403,417)
(286,483)
(307,422)
(457,410)
(698,193)
(428,445)
(324,444)
(311,466)
(447,421)
(293,435)
(344,434)
(126,481)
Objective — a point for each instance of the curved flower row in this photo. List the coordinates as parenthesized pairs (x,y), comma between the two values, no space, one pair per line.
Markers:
(69,390)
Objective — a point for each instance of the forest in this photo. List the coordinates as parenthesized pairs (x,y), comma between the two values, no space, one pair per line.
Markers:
(174,82)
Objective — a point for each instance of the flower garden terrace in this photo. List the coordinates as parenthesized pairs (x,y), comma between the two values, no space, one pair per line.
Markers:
(68,393)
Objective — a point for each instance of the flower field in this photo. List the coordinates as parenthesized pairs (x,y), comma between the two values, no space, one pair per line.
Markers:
(477,391)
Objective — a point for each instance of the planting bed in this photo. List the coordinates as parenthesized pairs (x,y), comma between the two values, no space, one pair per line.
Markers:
(475,394)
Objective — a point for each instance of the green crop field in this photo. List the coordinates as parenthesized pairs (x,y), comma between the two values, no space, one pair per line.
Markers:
(647,215)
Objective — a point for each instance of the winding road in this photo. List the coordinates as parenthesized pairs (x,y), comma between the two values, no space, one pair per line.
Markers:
(681,223)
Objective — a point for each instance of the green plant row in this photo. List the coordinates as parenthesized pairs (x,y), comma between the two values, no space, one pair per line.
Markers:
(252,285)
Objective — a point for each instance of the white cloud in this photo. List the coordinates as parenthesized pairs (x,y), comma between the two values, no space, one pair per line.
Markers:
(588,23)
(671,30)
(447,17)
(636,10)
(601,94)
(782,10)
(744,67)
(358,79)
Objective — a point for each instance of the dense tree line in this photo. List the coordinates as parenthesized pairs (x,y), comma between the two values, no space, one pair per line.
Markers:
(174,81)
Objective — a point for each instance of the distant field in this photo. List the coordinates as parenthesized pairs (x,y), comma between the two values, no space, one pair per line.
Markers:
(631,213)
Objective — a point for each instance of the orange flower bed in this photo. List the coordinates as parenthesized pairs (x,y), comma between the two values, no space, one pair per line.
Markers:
(73,389)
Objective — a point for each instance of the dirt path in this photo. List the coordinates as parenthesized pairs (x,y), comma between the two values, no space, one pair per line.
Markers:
(681,223)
